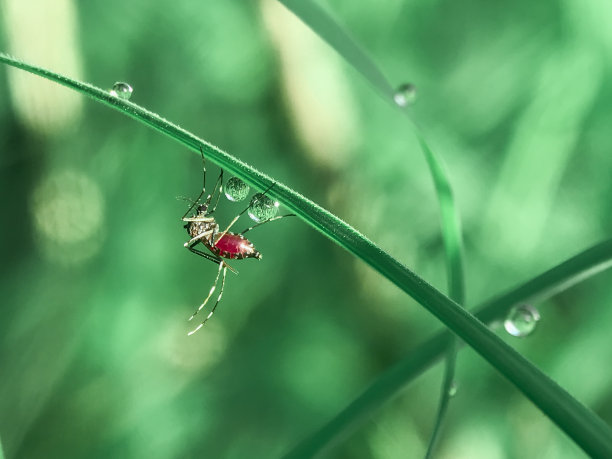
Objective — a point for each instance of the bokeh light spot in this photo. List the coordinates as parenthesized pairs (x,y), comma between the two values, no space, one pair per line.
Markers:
(68,214)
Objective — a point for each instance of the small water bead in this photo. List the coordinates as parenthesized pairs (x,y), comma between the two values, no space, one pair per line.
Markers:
(236,190)
(405,95)
(122,90)
(452,390)
(522,320)
(262,208)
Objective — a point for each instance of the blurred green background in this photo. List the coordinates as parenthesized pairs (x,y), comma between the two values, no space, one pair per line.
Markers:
(96,287)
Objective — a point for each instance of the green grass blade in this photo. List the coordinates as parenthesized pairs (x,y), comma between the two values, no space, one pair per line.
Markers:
(450,225)
(453,249)
(447,384)
(331,32)
(580,423)
(320,22)
(563,276)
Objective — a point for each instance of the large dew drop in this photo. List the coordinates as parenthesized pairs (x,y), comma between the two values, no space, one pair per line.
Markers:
(522,320)
(122,90)
(236,190)
(405,95)
(262,208)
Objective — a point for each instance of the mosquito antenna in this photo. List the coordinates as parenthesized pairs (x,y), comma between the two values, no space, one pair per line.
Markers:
(185,198)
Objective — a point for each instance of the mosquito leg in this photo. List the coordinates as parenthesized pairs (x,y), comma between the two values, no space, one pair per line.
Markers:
(192,206)
(267,221)
(223,268)
(198,238)
(220,235)
(203,186)
(185,198)
(229,267)
(208,256)
(218,184)
(212,290)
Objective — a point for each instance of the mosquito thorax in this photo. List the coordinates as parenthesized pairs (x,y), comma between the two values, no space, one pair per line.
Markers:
(196,228)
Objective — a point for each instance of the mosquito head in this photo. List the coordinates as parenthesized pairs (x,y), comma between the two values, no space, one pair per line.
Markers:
(202,209)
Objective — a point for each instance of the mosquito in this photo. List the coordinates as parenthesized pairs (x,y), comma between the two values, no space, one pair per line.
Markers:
(221,245)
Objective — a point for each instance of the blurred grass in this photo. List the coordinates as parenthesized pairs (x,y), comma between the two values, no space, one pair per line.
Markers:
(93,334)
(332,33)
(580,423)
(554,281)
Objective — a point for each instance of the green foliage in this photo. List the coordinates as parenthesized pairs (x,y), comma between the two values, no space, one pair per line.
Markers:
(582,425)
(97,283)
(552,282)
(330,31)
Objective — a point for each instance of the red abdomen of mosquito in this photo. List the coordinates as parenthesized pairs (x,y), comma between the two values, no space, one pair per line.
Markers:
(234,246)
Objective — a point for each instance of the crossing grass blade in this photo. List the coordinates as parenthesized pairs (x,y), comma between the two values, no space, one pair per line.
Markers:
(579,422)
(556,280)
(331,32)
(323,25)
(453,250)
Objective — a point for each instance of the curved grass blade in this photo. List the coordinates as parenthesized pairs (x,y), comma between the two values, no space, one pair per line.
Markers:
(563,276)
(320,22)
(579,422)
(450,224)
(453,249)
(331,32)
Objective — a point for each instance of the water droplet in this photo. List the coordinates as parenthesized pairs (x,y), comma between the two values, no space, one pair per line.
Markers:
(236,190)
(452,390)
(262,208)
(405,95)
(122,90)
(522,320)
